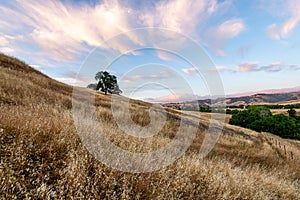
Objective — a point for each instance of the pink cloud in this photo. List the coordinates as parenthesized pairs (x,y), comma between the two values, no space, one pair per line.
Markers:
(173,98)
(37,67)
(178,15)
(190,70)
(193,70)
(247,67)
(272,67)
(163,55)
(219,69)
(6,50)
(282,31)
(3,41)
(62,30)
(218,36)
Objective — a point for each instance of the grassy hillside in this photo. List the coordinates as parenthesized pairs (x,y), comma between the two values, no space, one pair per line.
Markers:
(256,99)
(42,156)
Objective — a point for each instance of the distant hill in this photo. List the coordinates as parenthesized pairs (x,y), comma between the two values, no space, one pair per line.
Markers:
(269,91)
(277,98)
(256,99)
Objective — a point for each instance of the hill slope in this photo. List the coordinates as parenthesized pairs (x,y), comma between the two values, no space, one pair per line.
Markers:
(42,155)
(256,99)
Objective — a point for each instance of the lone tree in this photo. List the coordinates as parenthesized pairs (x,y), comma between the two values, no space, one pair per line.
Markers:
(106,83)
(292,112)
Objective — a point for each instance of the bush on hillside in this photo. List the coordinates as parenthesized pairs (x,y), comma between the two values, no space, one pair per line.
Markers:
(260,118)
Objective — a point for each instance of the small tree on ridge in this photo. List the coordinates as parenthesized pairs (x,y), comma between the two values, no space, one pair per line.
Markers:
(106,83)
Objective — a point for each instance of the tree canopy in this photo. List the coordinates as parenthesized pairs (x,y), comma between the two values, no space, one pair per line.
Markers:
(260,118)
(292,112)
(106,83)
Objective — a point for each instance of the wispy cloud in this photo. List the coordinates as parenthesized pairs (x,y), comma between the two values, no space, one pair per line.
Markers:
(190,70)
(163,55)
(69,81)
(288,8)
(194,70)
(219,35)
(221,69)
(151,79)
(179,15)
(3,41)
(143,78)
(272,67)
(247,67)
(63,30)
(37,67)
(4,45)
(72,78)
(192,18)
(6,50)
(173,98)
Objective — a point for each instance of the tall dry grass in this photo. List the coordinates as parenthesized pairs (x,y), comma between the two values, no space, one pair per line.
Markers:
(42,156)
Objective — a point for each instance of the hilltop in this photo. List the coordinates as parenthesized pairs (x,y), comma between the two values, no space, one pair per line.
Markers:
(262,99)
(42,155)
(255,99)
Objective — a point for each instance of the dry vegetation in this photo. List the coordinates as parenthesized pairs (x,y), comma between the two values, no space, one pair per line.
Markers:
(42,156)
(284,111)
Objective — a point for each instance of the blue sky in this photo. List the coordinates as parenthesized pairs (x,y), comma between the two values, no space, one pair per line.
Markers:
(254,45)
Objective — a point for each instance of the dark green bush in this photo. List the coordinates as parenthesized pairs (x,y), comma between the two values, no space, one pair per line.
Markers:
(260,118)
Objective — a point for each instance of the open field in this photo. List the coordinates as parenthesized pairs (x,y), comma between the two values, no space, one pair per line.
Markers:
(284,111)
(42,155)
(289,102)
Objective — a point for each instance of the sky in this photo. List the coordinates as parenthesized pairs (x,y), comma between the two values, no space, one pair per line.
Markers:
(159,50)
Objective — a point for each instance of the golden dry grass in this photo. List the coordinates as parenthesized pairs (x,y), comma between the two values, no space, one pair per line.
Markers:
(284,111)
(42,156)
(289,102)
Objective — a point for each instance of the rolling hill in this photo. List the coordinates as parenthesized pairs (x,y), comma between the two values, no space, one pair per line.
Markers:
(256,99)
(42,156)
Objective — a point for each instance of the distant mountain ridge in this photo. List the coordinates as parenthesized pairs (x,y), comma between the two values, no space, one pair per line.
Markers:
(268,91)
(184,97)
(255,99)
(262,98)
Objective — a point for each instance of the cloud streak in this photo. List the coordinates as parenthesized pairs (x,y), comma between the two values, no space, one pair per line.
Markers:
(282,31)
(179,15)
(164,55)
(174,98)
(221,69)
(219,35)
(272,67)
(142,78)
(191,70)
(248,67)
(194,70)
(62,31)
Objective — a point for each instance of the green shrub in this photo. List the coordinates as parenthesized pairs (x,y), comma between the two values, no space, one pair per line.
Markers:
(260,118)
